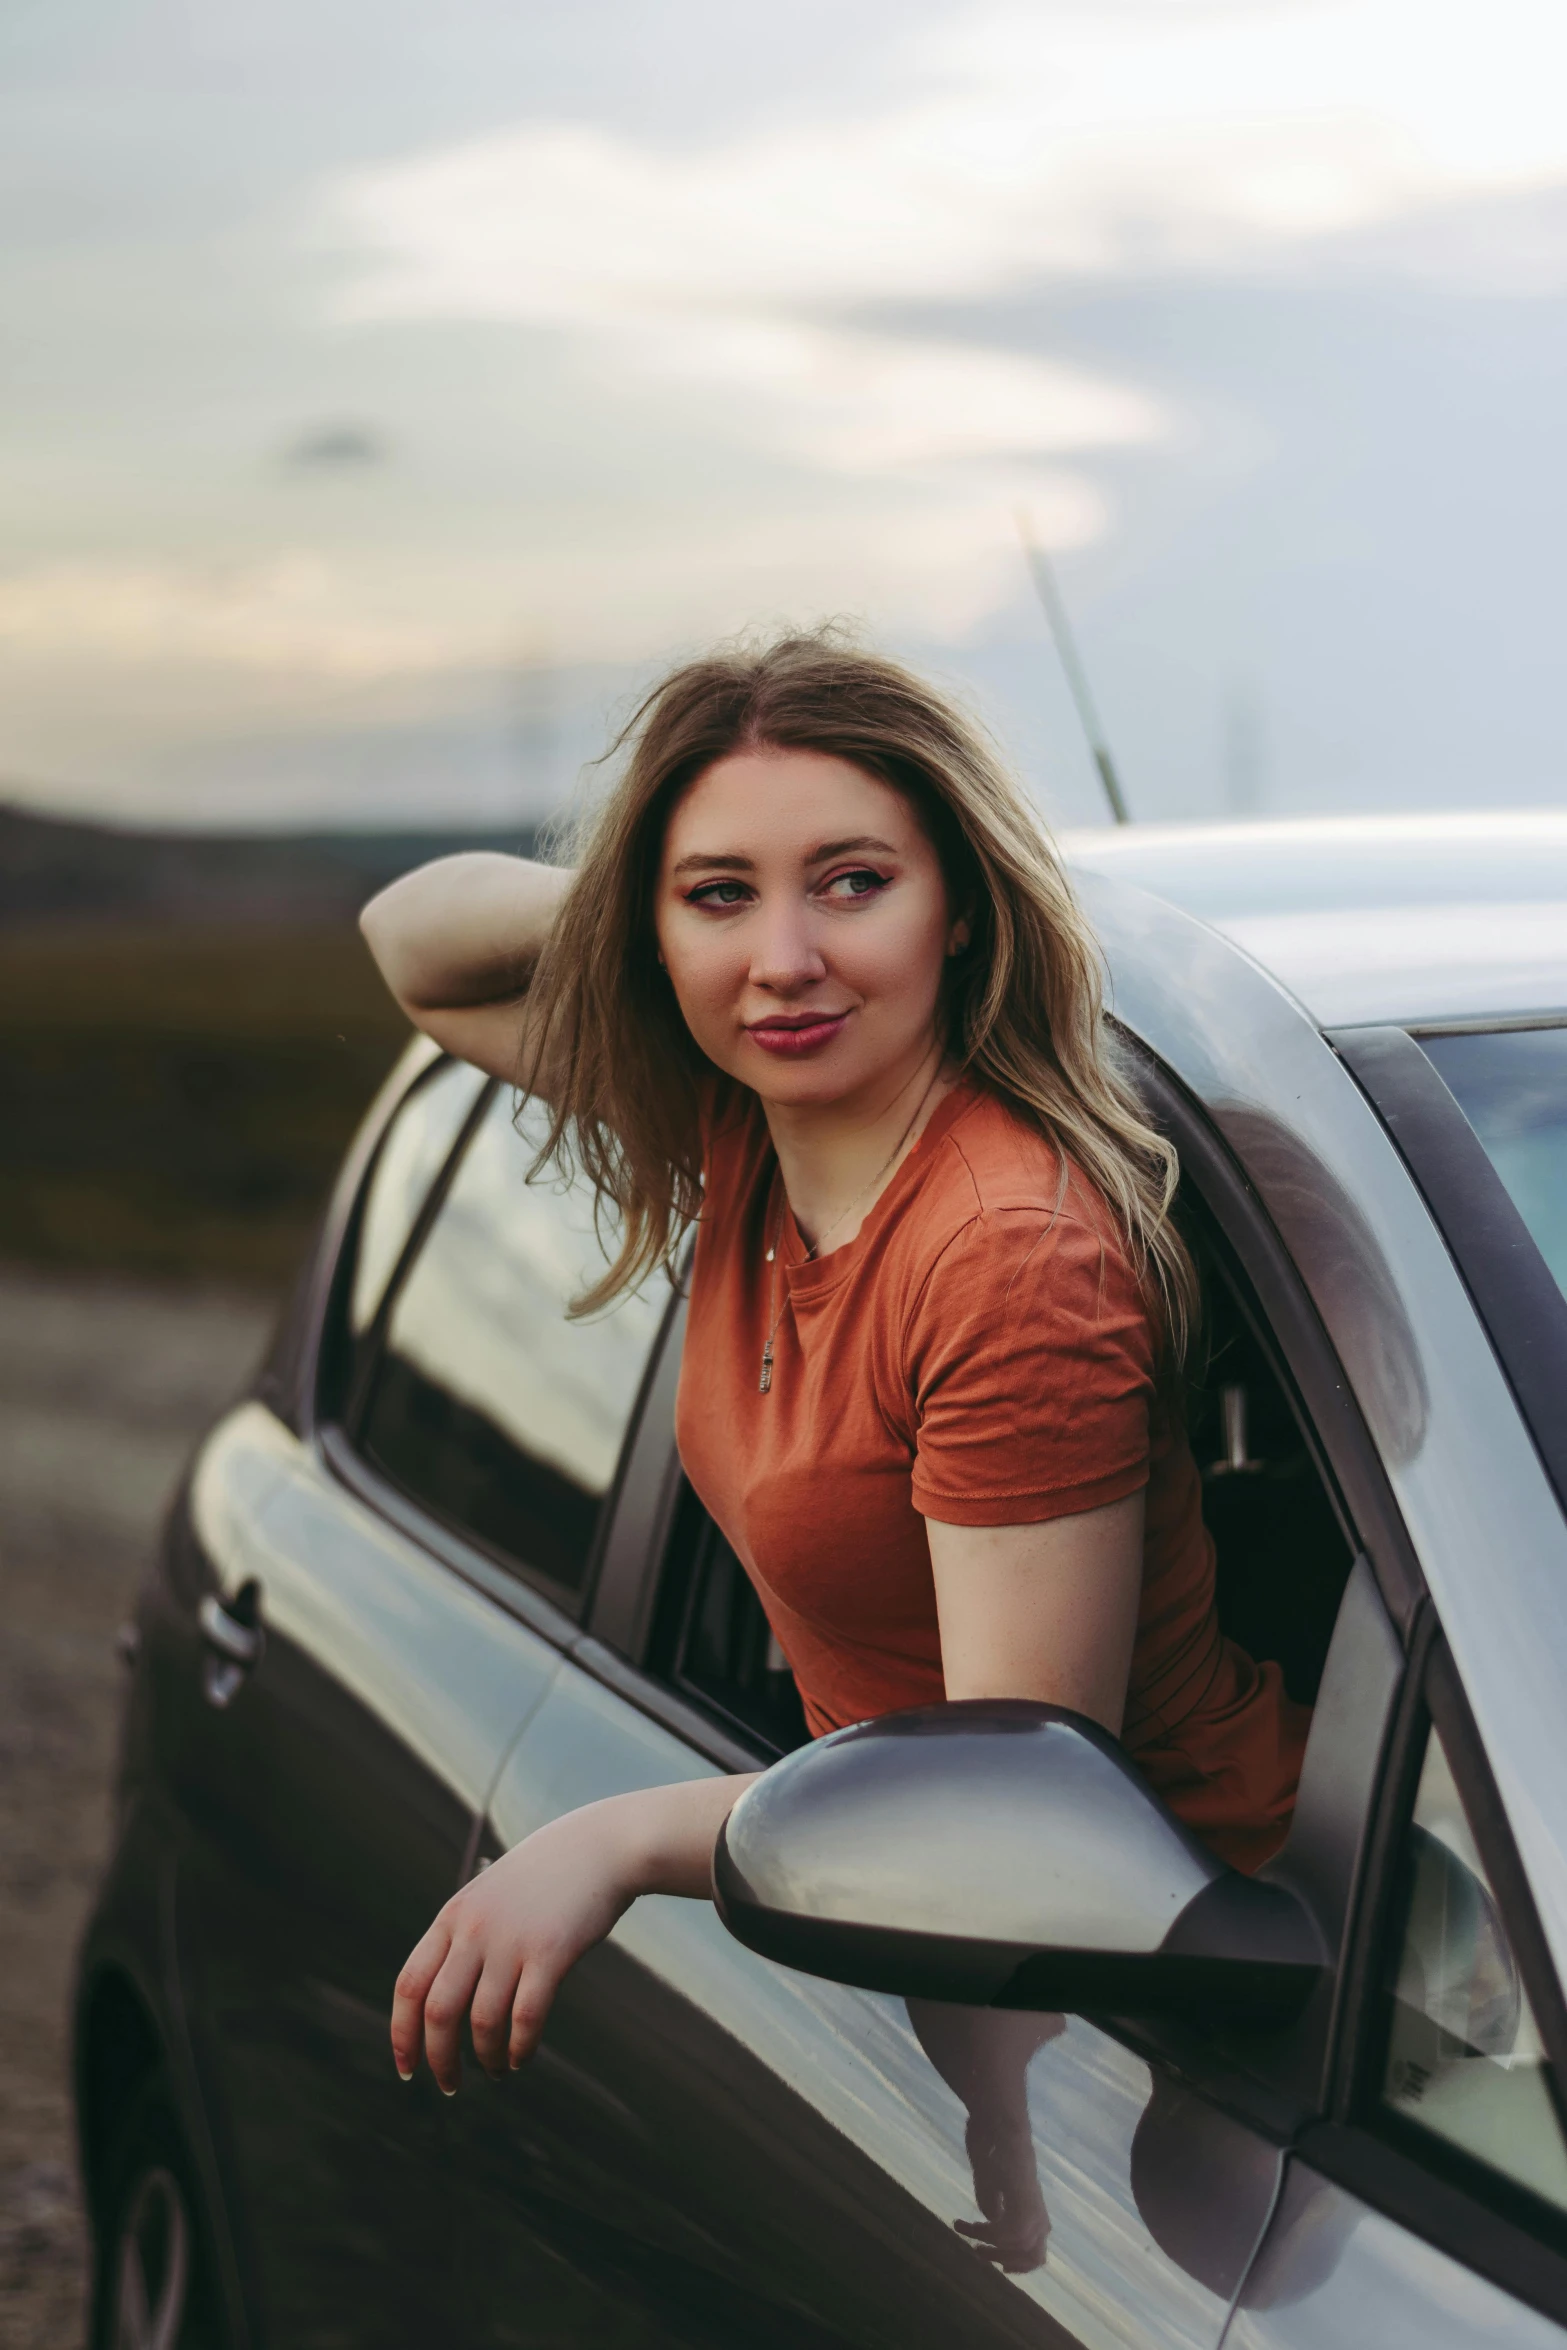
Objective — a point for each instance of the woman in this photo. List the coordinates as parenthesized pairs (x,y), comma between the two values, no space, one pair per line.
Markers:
(819,986)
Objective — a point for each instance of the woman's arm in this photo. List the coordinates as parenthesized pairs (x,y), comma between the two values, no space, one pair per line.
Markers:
(1046,1611)
(502,1945)
(457,942)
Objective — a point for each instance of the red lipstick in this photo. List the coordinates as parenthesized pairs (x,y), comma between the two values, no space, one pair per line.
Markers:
(796,1033)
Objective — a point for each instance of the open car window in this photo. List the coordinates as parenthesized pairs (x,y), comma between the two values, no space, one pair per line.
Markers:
(712,1643)
(1282,1554)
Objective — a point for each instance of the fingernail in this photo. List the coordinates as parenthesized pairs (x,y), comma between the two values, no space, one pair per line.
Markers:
(445,2092)
(402,2076)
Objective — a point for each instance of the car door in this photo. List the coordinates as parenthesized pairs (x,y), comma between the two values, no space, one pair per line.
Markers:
(375,1633)
(708,2148)
(1433,2214)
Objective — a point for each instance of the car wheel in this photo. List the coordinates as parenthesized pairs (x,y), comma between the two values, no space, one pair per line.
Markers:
(154,2275)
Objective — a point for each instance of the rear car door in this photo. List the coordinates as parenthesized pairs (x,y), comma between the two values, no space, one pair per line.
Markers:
(376,1628)
(708,2148)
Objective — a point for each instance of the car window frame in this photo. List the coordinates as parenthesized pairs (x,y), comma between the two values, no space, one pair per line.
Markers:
(627,1538)
(294,1373)
(1277,2098)
(632,1567)
(1445,2197)
(341,1370)
(430,1077)
(1514,1293)
(527,1602)
(349,1358)
(1283,2086)
(489,1564)
(1311,1371)
(1291,1334)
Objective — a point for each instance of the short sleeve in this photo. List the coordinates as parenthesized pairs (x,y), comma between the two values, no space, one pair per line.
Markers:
(1029,1359)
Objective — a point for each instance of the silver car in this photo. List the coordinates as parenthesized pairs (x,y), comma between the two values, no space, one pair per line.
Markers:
(994,2052)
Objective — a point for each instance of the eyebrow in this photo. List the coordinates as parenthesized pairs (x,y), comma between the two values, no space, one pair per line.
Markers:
(730,863)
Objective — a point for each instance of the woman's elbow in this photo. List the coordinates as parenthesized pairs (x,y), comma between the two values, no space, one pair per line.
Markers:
(404,926)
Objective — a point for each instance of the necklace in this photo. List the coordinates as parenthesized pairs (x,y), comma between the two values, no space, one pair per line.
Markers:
(774,1309)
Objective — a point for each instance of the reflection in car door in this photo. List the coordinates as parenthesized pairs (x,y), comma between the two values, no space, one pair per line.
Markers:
(327,1805)
(709,2149)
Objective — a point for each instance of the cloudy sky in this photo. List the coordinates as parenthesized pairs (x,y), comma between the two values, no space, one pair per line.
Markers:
(387,390)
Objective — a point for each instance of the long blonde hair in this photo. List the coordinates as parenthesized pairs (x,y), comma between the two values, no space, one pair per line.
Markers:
(1024,1003)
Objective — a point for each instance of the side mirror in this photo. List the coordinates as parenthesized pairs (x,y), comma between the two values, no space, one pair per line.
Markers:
(1003,1854)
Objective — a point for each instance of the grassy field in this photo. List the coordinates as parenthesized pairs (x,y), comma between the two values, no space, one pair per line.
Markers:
(174,1102)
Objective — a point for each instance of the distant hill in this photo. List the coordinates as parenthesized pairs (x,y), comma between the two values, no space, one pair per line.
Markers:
(190,1027)
(58,870)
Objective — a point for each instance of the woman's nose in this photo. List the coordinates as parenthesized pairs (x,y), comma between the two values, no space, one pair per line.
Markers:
(784,956)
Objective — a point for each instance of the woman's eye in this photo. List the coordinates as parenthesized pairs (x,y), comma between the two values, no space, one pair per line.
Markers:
(718,893)
(860,883)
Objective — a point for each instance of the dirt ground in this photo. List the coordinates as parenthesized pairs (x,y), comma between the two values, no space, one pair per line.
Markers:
(104,1386)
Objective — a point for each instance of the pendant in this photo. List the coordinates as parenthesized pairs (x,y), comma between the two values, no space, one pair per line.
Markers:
(766,1380)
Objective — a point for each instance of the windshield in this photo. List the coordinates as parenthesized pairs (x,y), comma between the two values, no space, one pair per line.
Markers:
(1511,1085)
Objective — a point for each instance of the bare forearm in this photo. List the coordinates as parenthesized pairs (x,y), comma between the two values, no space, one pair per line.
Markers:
(464,930)
(658,1839)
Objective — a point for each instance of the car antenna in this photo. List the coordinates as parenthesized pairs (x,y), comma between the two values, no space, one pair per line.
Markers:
(1044,579)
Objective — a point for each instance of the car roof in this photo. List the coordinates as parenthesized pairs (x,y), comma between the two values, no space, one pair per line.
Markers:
(1419,920)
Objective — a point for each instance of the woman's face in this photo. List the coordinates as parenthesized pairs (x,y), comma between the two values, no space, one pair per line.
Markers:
(803,918)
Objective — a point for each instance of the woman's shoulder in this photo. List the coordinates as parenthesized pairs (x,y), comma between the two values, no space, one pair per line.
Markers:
(1012,1266)
(1001,1200)
(993,1162)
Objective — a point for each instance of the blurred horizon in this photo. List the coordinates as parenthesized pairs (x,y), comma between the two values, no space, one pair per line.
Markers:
(389,398)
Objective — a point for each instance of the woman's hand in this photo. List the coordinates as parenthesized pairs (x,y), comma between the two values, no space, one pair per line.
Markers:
(500,1948)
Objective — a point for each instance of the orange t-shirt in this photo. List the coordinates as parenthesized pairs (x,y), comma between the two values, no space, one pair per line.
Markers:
(978,1354)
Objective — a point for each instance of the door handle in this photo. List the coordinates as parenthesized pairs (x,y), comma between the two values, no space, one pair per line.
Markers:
(234,1642)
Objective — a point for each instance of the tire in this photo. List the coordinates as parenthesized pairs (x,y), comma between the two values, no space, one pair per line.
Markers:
(154,2285)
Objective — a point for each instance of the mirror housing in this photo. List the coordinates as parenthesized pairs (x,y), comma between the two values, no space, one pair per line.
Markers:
(1002,1853)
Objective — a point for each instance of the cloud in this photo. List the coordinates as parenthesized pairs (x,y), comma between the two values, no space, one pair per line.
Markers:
(1067,140)
(882,404)
(939,560)
(292,615)
(755,276)
(732,271)
(935,561)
